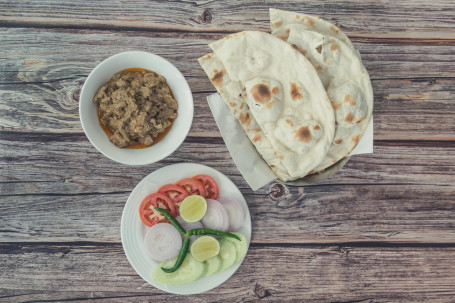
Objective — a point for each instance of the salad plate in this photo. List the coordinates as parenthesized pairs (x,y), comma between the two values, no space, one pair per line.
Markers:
(133,230)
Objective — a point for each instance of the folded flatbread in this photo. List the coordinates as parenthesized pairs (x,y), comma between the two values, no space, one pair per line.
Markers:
(231,93)
(278,89)
(341,71)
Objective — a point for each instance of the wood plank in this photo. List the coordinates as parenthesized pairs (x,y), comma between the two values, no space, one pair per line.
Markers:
(281,273)
(428,103)
(319,214)
(54,76)
(55,164)
(400,19)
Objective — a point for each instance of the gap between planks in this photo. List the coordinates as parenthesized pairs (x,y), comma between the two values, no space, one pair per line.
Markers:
(6,247)
(170,31)
(12,135)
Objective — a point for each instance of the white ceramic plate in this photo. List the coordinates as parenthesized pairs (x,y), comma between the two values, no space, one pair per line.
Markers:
(133,230)
(102,73)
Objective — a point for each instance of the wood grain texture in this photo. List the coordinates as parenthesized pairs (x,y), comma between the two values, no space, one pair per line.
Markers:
(381,230)
(316,274)
(379,19)
(50,80)
(320,214)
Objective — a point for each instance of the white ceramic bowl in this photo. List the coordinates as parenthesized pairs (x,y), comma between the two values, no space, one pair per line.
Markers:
(102,73)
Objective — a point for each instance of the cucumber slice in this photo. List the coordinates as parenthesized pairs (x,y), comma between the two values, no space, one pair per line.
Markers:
(228,254)
(189,271)
(241,246)
(213,265)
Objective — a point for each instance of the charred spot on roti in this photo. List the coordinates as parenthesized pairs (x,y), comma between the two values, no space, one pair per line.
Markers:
(338,141)
(349,118)
(277,23)
(319,48)
(333,47)
(257,130)
(360,120)
(241,105)
(217,78)
(301,50)
(295,92)
(269,104)
(245,118)
(336,123)
(284,38)
(261,93)
(232,104)
(316,127)
(334,29)
(335,105)
(303,134)
(311,22)
(356,139)
(281,157)
(275,90)
(287,31)
(206,57)
(256,138)
(349,99)
(289,122)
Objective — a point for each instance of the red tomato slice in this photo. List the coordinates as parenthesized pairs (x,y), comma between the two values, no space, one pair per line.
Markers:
(149,215)
(174,192)
(192,186)
(212,191)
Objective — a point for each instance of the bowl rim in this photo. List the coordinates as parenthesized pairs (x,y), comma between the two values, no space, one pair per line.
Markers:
(137,156)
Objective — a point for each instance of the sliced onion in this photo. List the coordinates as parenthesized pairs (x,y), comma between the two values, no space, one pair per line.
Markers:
(162,242)
(216,216)
(235,212)
(188,226)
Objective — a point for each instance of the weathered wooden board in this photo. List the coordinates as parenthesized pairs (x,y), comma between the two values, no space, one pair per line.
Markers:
(321,214)
(382,229)
(370,18)
(55,164)
(277,273)
(421,109)
(401,81)
(47,55)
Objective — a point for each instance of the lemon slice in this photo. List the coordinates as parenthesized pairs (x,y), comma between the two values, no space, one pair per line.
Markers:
(193,208)
(204,248)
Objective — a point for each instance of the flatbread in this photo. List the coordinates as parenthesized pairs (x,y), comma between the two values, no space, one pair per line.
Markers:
(341,71)
(284,94)
(280,21)
(231,93)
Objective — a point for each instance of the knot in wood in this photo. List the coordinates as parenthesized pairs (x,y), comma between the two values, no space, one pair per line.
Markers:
(76,95)
(277,191)
(206,16)
(261,291)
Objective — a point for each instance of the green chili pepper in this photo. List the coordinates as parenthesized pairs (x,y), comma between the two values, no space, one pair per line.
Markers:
(180,258)
(208,231)
(173,221)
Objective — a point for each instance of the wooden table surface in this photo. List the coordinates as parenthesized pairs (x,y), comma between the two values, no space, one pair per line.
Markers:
(381,230)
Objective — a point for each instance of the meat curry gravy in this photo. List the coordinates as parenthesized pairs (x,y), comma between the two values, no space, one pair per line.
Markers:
(136,108)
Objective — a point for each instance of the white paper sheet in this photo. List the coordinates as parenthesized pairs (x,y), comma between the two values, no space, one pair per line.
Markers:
(248,161)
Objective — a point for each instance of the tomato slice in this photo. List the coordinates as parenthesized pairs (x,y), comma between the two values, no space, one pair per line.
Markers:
(174,192)
(212,191)
(149,215)
(192,186)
